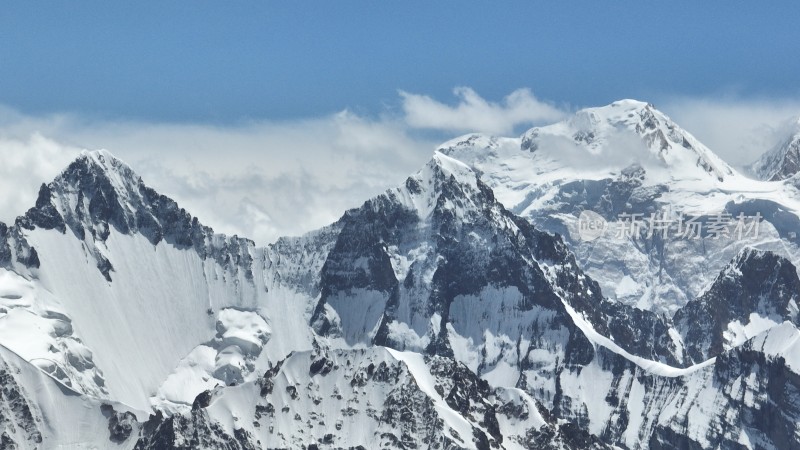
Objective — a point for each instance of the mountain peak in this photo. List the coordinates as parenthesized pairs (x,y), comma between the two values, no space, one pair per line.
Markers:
(614,136)
(630,131)
(94,191)
(783,160)
(453,167)
(102,165)
(622,108)
(100,156)
(99,192)
(102,161)
(442,177)
(630,103)
(105,160)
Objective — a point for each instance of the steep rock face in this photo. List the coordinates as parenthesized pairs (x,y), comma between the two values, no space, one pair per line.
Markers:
(419,247)
(753,293)
(783,160)
(19,428)
(190,431)
(747,399)
(102,263)
(15,250)
(98,191)
(297,262)
(767,404)
(426,267)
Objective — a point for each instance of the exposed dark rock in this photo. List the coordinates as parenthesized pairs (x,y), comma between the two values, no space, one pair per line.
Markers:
(88,199)
(17,415)
(191,431)
(120,425)
(203,400)
(755,282)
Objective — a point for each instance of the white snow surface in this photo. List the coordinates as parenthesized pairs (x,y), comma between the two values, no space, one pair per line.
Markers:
(163,304)
(64,418)
(780,341)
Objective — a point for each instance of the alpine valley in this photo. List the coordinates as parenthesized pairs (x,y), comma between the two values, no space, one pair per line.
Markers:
(460,309)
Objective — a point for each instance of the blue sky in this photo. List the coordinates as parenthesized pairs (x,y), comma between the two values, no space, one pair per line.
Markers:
(266,119)
(221,62)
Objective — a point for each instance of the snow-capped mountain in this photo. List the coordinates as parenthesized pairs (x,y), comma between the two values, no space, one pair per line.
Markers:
(783,160)
(626,162)
(457,310)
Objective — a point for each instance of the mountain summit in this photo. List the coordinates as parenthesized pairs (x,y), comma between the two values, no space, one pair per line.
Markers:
(633,130)
(99,192)
(594,143)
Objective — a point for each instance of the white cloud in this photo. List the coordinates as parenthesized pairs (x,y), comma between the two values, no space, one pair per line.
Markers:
(260,180)
(739,130)
(266,179)
(24,165)
(475,114)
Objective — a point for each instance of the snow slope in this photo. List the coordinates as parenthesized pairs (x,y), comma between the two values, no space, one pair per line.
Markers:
(37,411)
(112,277)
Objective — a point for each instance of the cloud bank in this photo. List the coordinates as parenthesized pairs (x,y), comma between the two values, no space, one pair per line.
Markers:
(737,129)
(266,179)
(261,180)
(24,164)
